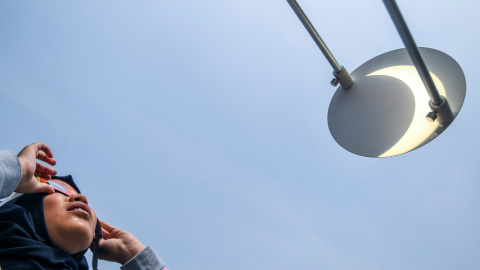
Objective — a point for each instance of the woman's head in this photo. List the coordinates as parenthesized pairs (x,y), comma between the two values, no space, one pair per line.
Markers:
(41,231)
(70,222)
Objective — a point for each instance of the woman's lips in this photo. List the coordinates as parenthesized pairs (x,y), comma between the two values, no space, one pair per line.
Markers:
(80,207)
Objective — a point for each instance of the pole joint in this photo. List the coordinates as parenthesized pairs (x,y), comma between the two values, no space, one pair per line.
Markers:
(339,72)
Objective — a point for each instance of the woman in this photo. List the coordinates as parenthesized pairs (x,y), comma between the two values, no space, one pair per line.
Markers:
(53,226)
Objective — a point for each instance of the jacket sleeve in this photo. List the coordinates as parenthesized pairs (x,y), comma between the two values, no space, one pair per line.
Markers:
(10,173)
(147,259)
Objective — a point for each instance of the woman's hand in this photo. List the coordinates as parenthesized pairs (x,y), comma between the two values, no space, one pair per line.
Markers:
(31,168)
(117,245)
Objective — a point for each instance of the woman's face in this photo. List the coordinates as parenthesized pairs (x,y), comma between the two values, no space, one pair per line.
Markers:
(70,221)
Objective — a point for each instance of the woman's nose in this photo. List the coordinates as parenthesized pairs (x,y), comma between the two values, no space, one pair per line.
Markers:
(78,198)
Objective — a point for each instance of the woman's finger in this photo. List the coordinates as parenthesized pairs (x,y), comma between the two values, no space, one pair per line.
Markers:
(43,170)
(43,157)
(43,147)
(44,188)
(105,234)
(109,228)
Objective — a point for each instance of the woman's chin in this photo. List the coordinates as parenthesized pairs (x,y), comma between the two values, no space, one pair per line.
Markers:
(74,240)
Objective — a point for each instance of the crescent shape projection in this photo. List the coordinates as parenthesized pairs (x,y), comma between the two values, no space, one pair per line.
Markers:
(383,113)
(420,129)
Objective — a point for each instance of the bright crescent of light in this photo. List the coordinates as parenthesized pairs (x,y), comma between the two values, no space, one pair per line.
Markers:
(420,128)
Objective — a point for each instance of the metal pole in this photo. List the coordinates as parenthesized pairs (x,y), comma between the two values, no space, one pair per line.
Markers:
(439,105)
(316,37)
(339,72)
(412,50)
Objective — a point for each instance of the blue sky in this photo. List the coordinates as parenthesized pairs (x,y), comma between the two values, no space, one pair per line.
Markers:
(201,128)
